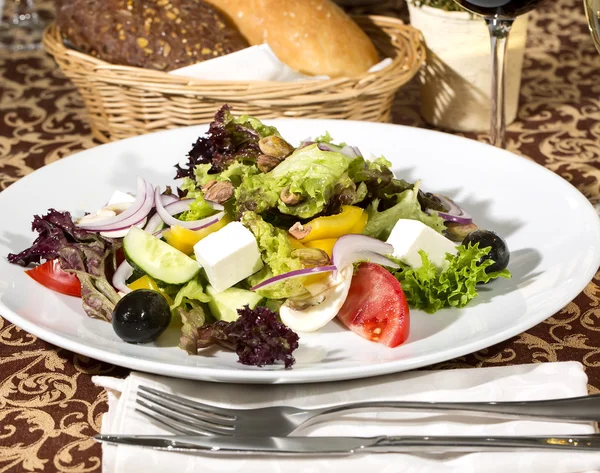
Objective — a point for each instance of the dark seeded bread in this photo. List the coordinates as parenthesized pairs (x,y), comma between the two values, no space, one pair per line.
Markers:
(154,34)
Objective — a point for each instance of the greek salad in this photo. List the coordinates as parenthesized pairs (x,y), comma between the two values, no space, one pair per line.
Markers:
(261,241)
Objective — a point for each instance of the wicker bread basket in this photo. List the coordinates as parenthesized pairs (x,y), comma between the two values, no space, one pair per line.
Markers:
(123,101)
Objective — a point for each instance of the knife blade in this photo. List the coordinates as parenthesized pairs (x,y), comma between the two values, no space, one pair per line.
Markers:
(341,446)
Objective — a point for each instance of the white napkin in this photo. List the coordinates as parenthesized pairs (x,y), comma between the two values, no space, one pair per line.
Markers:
(507,383)
(250,64)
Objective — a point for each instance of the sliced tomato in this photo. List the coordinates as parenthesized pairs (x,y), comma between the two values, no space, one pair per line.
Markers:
(376,307)
(51,275)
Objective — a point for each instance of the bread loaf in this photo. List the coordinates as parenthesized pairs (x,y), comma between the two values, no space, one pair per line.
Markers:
(155,34)
(312,36)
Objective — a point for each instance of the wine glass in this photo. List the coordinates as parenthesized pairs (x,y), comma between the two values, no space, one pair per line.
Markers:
(21,27)
(499,16)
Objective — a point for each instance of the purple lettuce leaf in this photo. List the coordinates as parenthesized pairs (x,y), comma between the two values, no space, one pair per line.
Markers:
(225,142)
(88,255)
(257,337)
(56,230)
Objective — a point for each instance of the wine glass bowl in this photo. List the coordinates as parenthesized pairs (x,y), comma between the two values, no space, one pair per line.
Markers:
(507,9)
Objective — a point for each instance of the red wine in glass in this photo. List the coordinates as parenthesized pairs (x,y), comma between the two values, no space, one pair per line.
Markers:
(499,16)
(499,8)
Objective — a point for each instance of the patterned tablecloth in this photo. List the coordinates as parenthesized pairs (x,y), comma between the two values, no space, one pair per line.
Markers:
(48,406)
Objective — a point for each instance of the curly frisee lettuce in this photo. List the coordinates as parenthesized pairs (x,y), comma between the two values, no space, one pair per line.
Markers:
(429,289)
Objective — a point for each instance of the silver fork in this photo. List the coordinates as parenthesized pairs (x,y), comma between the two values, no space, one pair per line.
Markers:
(189,417)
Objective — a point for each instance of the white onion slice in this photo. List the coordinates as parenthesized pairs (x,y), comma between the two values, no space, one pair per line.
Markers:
(294,274)
(133,215)
(352,248)
(180,206)
(122,274)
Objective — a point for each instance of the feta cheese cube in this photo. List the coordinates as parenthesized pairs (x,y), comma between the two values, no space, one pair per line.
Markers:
(228,255)
(410,236)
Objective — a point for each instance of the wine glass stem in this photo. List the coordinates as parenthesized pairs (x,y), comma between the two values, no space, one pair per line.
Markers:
(499,30)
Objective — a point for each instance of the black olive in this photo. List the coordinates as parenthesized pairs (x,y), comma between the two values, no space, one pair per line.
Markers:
(141,316)
(499,252)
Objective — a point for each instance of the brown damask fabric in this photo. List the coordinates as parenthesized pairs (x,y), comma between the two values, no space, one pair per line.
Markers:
(49,408)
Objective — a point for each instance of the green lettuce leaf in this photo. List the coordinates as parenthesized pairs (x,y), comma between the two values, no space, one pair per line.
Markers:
(276,252)
(308,171)
(235,173)
(188,185)
(202,176)
(428,289)
(249,121)
(381,223)
(192,290)
(198,209)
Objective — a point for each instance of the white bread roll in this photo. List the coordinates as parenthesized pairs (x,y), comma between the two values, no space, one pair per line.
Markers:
(312,36)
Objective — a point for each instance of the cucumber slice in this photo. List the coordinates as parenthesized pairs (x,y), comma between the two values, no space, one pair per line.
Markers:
(224,305)
(158,259)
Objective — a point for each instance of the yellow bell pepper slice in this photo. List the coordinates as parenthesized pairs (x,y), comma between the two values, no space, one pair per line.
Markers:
(146,282)
(184,239)
(314,278)
(326,244)
(295,244)
(351,219)
(360,224)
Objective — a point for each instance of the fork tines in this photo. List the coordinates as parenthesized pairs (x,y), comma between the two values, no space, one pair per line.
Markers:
(183,415)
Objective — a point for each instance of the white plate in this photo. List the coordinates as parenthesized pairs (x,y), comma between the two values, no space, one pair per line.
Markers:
(551,229)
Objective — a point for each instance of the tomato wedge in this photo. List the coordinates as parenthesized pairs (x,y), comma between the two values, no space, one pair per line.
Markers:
(51,275)
(376,308)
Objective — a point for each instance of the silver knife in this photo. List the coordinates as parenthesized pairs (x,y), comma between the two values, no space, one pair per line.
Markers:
(341,446)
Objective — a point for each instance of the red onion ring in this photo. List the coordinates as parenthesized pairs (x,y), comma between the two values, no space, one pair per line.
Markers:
(349,249)
(167,199)
(305,143)
(293,274)
(181,206)
(357,151)
(349,151)
(455,214)
(122,274)
(120,232)
(178,206)
(133,215)
(329,147)
(153,224)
